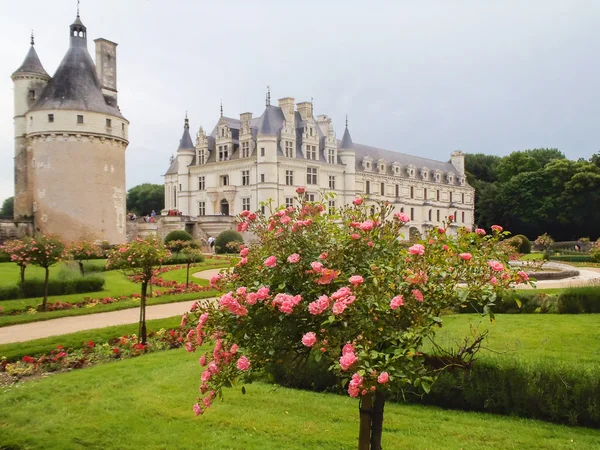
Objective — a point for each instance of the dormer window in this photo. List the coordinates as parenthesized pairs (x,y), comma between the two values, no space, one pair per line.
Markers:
(436,177)
(410,171)
(425,174)
(366,163)
(462,181)
(289,149)
(222,132)
(331,156)
(201,157)
(450,178)
(223,152)
(245,149)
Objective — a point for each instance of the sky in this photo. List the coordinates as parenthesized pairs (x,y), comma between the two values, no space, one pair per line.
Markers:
(423,78)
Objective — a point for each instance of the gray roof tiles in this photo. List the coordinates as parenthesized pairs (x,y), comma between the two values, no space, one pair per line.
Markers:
(31,64)
(346,142)
(186,143)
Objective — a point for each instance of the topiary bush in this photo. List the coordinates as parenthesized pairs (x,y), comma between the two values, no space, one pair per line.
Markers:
(525,244)
(225,239)
(178,235)
(35,288)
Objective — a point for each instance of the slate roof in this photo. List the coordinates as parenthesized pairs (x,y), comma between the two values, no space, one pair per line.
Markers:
(186,143)
(173,168)
(32,64)
(346,140)
(75,84)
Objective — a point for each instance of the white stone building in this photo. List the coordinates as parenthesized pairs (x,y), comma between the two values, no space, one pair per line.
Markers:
(246,161)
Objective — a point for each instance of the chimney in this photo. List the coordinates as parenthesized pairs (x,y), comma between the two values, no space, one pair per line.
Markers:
(287,106)
(106,66)
(245,117)
(305,110)
(458,161)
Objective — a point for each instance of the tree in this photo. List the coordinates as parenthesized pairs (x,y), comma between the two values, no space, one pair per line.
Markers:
(8,207)
(82,251)
(144,198)
(44,251)
(18,250)
(192,254)
(139,258)
(344,290)
(526,161)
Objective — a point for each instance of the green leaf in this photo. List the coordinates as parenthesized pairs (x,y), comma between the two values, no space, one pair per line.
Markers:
(318,356)
(518,302)
(244,390)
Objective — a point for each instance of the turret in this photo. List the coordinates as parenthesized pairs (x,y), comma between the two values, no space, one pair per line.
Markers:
(347,155)
(185,154)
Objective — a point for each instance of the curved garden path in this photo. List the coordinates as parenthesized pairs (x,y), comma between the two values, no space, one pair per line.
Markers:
(65,325)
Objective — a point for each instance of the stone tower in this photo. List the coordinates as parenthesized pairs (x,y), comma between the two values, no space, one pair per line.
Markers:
(70,142)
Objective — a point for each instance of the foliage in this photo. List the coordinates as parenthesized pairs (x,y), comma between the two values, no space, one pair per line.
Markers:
(81,251)
(178,235)
(139,258)
(545,244)
(144,198)
(579,300)
(35,288)
(223,242)
(595,251)
(18,250)
(343,288)
(44,251)
(524,245)
(191,254)
(571,258)
(8,208)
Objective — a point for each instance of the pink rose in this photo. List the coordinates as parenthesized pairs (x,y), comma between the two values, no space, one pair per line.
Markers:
(202,360)
(348,348)
(418,295)
(416,249)
(451,218)
(285,219)
(309,339)
(466,256)
(243,261)
(523,275)
(497,228)
(355,236)
(300,190)
(397,302)
(347,360)
(243,363)
(401,217)
(319,305)
(197,409)
(234,348)
(323,255)
(494,281)
(293,258)
(244,252)
(480,231)
(383,378)
(496,266)
(357,201)
(356,280)
(205,376)
(271,261)
(367,225)
(316,266)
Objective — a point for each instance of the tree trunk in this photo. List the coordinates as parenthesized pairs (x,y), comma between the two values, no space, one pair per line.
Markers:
(187,276)
(377,420)
(80,267)
(45,290)
(365,408)
(142,327)
(23,274)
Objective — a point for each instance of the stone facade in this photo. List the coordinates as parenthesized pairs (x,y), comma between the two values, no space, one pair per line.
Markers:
(244,162)
(70,142)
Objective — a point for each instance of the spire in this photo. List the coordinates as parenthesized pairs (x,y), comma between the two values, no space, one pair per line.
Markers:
(185,142)
(32,41)
(186,123)
(77,8)
(346,121)
(32,63)
(221,108)
(78,31)
(347,143)
(268,102)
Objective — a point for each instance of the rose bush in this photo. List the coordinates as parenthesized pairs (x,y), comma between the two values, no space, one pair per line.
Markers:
(342,288)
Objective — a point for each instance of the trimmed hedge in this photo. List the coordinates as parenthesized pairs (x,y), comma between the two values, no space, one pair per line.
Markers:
(579,300)
(227,237)
(178,235)
(524,245)
(181,259)
(35,288)
(572,258)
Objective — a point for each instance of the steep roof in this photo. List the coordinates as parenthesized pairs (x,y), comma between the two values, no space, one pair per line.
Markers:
(271,122)
(173,167)
(186,143)
(32,64)
(346,140)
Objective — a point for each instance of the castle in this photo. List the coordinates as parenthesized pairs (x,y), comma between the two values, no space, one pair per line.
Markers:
(250,160)
(70,142)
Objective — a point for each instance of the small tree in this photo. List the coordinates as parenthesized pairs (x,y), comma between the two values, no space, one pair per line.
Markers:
(139,258)
(82,251)
(344,290)
(191,254)
(228,241)
(178,235)
(18,251)
(545,243)
(44,251)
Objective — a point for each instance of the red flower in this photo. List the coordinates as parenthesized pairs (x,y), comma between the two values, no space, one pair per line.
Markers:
(115,350)
(91,344)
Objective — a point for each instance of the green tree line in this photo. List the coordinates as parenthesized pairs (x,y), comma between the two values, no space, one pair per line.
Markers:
(537,191)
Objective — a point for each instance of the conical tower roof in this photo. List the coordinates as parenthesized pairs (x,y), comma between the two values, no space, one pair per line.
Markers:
(347,140)
(186,143)
(32,63)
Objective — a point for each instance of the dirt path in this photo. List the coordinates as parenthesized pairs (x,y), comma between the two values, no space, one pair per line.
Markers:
(64,325)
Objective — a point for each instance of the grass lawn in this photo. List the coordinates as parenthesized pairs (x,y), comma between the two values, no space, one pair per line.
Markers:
(531,256)
(551,338)
(146,403)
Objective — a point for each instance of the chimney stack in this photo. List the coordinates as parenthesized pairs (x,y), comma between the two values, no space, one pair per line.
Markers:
(106,67)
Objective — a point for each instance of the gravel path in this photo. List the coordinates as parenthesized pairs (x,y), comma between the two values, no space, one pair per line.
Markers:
(64,325)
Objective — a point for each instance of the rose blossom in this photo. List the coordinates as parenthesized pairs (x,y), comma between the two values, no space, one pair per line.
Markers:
(205,376)
(319,305)
(316,266)
(202,360)
(523,275)
(244,252)
(234,348)
(355,236)
(197,409)
(293,258)
(323,255)
(356,280)
(497,228)
(396,302)
(347,360)
(300,190)
(416,249)
(383,378)
(243,363)
(357,201)
(466,256)
(271,261)
(494,281)
(367,225)
(496,266)
(480,231)
(418,295)
(401,217)
(309,339)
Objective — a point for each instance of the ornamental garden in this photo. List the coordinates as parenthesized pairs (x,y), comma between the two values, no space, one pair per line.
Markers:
(331,331)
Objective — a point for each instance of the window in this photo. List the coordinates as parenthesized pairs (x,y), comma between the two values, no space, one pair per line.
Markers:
(331,205)
(289,177)
(79,118)
(245,149)
(223,152)
(108,123)
(397,190)
(430,214)
(245,177)
(437,196)
(367,187)
(331,156)
(402,209)
(331,182)
(31,94)
(50,118)
(289,149)
(462,198)
(450,197)
(462,214)
(382,189)
(246,204)
(438,215)
(222,132)
(412,213)
(310,197)
(262,151)
(180,187)
(262,210)
(311,175)
(174,196)
(456,216)
(311,131)
(224,180)
(201,208)
(262,177)
(425,193)
(123,127)
(201,157)
(289,201)
(412,192)
(311,152)
(201,183)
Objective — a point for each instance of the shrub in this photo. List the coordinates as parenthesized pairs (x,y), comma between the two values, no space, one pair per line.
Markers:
(35,288)
(225,238)
(579,300)
(525,244)
(595,251)
(9,292)
(178,235)
(572,258)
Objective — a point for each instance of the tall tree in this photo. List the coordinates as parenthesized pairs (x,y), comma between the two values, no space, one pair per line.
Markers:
(144,198)
(8,207)
(526,161)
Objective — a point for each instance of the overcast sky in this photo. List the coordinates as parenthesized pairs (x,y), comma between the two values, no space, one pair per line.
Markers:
(424,78)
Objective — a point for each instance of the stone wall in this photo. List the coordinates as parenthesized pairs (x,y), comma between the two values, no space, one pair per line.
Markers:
(10,229)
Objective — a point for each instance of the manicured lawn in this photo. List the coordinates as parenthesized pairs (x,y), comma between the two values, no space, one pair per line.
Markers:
(555,338)
(146,403)
(531,256)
